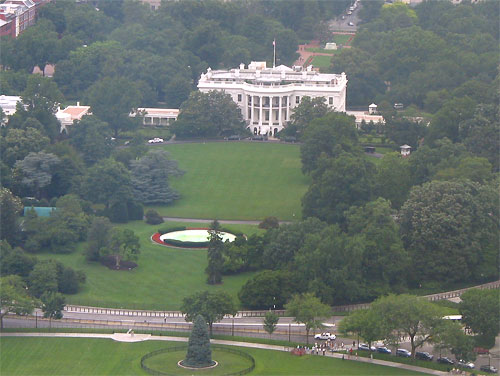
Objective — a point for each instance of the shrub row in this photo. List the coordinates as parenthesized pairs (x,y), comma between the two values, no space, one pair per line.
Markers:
(179,243)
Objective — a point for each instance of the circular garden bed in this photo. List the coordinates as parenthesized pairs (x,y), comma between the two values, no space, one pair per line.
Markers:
(183,237)
(230,362)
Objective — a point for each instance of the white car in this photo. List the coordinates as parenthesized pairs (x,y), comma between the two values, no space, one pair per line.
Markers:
(325,336)
(351,23)
(465,364)
(155,140)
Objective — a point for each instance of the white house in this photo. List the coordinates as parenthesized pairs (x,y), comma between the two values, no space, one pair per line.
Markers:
(71,113)
(267,96)
(157,116)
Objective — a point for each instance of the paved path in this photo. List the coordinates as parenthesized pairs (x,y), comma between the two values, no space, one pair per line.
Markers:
(221,221)
(122,337)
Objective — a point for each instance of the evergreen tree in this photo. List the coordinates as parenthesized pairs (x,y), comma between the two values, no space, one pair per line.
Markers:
(199,353)
(215,259)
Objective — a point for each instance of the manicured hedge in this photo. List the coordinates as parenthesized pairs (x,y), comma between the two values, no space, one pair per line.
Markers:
(179,243)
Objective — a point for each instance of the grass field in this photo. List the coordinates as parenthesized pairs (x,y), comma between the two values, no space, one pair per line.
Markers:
(341,38)
(164,275)
(81,356)
(237,180)
(322,61)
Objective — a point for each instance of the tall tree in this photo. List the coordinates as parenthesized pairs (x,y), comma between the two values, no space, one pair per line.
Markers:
(150,178)
(328,136)
(10,209)
(212,306)
(337,184)
(479,310)
(392,180)
(52,305)
(106,182)
(365,323)
(112,100)
(97,237)
(410,316)
(214,255)
(212,114)
(448,234)
(123,245)
(37,170)
(14,297)
(308,110)
(307,309)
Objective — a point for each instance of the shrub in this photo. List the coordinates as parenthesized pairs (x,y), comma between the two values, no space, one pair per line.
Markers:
(135,211)
(269,222)
(118,213)
(153,218)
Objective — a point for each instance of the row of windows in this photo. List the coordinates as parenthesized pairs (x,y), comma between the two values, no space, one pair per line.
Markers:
(297,100)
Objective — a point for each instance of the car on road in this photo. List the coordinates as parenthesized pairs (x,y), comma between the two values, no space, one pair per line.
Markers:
(489,369)
(155,140)
(464,364)
(234,137)
(423,355)
(445,360)
(365,347)
(349,13)
(384,350)
(403,352)
(258,137)
(325,336)
(350,23)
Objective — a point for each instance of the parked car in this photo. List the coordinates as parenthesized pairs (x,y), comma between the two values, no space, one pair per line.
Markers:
(384,350)
(155,140)
(234,137)
(423,355)
(398,106)
(403,352)
(325,336)
(365,347)
(464,364)
(290,139)
(259,137)
(445,360)
(350,23)
(489,369)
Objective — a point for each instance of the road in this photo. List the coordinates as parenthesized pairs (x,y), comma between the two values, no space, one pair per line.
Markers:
(340,24)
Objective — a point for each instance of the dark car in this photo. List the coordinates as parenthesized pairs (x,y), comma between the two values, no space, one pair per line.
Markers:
(234,137)
(445,360)
(384,350)
(403,352)
(423,355)
(290,139)
(489,369)
(259,137)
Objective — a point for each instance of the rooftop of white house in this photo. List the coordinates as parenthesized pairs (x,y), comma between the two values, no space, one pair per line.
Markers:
(258,73)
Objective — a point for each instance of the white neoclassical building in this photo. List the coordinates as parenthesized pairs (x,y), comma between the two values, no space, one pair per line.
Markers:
(267,96)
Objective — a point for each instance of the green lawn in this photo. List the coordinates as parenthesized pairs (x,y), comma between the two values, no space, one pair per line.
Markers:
(341,38)
(82,356)
(322,61)
(164,276)
(237,180)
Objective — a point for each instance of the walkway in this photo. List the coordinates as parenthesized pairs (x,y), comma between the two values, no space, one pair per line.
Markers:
(306,57)
(221,221)
(122,337)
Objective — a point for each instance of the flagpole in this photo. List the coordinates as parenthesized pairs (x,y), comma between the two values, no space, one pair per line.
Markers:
(274,55)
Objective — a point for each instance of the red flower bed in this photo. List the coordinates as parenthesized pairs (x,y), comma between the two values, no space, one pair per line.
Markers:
(156,238)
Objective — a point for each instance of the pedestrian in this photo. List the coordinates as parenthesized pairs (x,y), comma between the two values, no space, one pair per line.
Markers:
(343,357)
(324,352)
(356,355)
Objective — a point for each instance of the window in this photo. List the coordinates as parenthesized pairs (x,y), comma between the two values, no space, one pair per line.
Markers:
(330,100)
(239,97)
(297,99)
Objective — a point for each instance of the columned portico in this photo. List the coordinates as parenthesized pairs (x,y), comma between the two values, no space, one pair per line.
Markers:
(267,96)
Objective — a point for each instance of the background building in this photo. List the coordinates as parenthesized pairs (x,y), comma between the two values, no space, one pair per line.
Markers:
(267,96)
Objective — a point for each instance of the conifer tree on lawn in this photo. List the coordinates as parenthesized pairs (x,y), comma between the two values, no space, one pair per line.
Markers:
(199,353)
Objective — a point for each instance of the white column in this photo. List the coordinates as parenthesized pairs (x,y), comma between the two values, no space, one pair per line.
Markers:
(245,103)
(288,98)
(270,113)
(260,109)
(252,109)
(280,103)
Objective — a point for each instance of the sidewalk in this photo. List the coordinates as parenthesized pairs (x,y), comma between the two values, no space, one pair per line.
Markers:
(122,337)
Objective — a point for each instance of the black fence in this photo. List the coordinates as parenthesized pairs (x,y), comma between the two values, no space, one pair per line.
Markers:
(181,348)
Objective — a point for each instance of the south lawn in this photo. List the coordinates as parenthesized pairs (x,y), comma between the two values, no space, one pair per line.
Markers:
(237,180)
(83,356)
(164,275)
